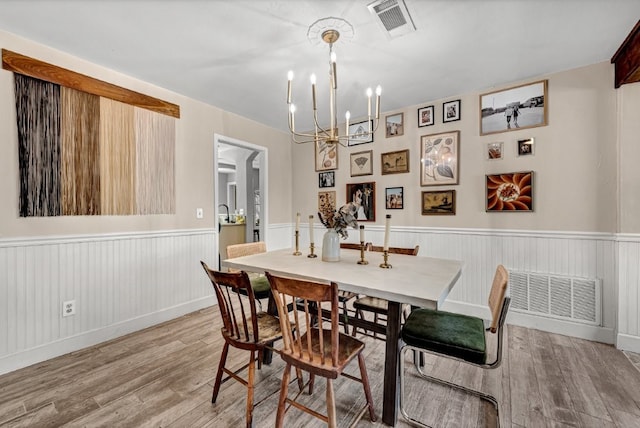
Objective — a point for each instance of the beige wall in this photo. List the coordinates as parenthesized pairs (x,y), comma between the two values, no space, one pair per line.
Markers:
(574,161)
(629,147)
(194,157)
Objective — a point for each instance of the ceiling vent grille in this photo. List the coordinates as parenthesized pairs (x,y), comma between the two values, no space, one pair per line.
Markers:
(393,16)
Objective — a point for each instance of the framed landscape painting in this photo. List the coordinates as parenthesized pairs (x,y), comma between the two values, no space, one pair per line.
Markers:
(395,162)
(519,107)
(439,202)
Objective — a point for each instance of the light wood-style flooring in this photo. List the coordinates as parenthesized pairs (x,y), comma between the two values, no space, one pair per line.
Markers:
(163,376)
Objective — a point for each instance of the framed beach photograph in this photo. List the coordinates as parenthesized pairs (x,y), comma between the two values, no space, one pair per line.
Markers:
(362,163)
(327,179)
(363,195)
(439,159)
(495,151)
(439,202)
(425,116)
(326,156)
(359,133)
(327,203)
(510,192)
(393,197)
(519,107)
(525,147)
(395,162)
(451,111)
(395,125)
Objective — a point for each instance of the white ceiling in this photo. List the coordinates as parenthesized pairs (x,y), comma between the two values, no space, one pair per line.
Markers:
(236,54)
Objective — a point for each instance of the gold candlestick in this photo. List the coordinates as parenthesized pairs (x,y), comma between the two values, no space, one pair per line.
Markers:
(362,261)
(297,251)
(385,265)
(311,255)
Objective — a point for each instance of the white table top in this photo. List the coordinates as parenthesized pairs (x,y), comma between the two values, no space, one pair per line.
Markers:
(420,281)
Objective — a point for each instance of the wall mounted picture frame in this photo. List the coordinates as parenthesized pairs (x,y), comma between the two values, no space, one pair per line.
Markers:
(395,162)
(525,147)
(327,179)
(394,125)
(510,192)
(327,202)
(451,111)
(519,107)
(439,156)
(361,163)
(363,195)
(426,116)
(394,198)
(439,202)
(359,133)
(495,151)
(326,156)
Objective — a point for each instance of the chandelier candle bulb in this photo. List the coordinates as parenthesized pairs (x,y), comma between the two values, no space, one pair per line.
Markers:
(378,93)
(347,116)
(313,90)
(333,69)
(289,78)
(387,224)
(311,229)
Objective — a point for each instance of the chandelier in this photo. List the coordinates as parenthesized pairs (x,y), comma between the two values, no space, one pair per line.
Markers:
(328,28)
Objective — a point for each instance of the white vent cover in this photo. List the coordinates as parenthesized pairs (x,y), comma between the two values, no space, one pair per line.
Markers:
(393,16)
(577,299)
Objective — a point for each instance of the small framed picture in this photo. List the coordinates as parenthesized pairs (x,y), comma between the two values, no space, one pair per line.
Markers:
(525,147)
(364,196)
(326,179)
(395,162)
(362,163)
(439,202)
(495,151)
(395,125)
(326,156)
(394,198)
(451,111)
(510,192)
(359,133)
(327,203)
(425,116)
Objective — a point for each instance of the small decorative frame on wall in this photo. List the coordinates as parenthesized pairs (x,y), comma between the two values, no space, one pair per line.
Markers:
(327,179)
(451,111)
(495,151)
(525,147)
(359,132)
(326,156)
(362,163)
(439,159)
(395,162)
(395,125)
(518,107)
(327,202)
(364,195)
(425,116)
(439,202)
(510,192)
(394,198)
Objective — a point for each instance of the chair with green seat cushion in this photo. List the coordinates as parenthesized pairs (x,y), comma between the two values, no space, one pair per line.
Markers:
(456,336)
(259,282)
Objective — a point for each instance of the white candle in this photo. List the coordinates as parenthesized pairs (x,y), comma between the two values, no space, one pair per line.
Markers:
(362,233)
(311,229)
(387,224)
(297,222)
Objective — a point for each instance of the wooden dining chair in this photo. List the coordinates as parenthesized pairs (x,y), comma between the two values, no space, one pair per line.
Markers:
(259,282)
(456,336)
(319,351)
(242,327)
(375,305)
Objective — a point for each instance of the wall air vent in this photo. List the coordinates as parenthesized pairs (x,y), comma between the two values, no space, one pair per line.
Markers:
(393,16)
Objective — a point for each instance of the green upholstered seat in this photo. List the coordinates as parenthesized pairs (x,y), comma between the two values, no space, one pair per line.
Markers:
(260,285)
(457,335)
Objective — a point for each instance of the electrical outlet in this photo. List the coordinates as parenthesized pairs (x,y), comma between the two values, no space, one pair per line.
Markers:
(68,308)
(199,213)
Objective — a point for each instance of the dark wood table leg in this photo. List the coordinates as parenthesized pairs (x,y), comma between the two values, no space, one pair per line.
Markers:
(391,366)
(272,309)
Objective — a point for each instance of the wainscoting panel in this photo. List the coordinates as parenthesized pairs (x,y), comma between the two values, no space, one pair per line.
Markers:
(629,293)
(120,283)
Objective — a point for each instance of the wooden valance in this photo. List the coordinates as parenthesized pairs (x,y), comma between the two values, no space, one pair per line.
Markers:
(627,59)
(51,73)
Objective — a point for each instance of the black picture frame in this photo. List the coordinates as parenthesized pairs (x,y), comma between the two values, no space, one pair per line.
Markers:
(426,116)
(451,111)
(357,129)
(394,198)
(327,179)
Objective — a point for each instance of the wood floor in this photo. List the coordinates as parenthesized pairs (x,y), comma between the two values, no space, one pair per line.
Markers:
(162,377)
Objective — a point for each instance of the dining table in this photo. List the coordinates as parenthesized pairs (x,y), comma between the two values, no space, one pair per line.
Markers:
(413,280)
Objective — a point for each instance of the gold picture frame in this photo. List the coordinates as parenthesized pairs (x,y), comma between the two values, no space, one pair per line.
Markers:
(326,156)
(439,156)
(439,202)
(395,162)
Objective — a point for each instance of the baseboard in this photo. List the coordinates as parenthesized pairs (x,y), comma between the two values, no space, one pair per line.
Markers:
(627,342)
(551,325)
(32,356)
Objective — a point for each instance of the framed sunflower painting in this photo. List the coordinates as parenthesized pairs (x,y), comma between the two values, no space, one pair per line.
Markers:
(511,192)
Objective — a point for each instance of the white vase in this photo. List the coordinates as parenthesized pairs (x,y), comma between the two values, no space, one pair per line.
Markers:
(331,246)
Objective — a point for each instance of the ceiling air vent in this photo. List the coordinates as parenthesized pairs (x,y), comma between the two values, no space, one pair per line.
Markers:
(393,16)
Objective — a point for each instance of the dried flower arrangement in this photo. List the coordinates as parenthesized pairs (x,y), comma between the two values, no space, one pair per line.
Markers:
(341,219)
